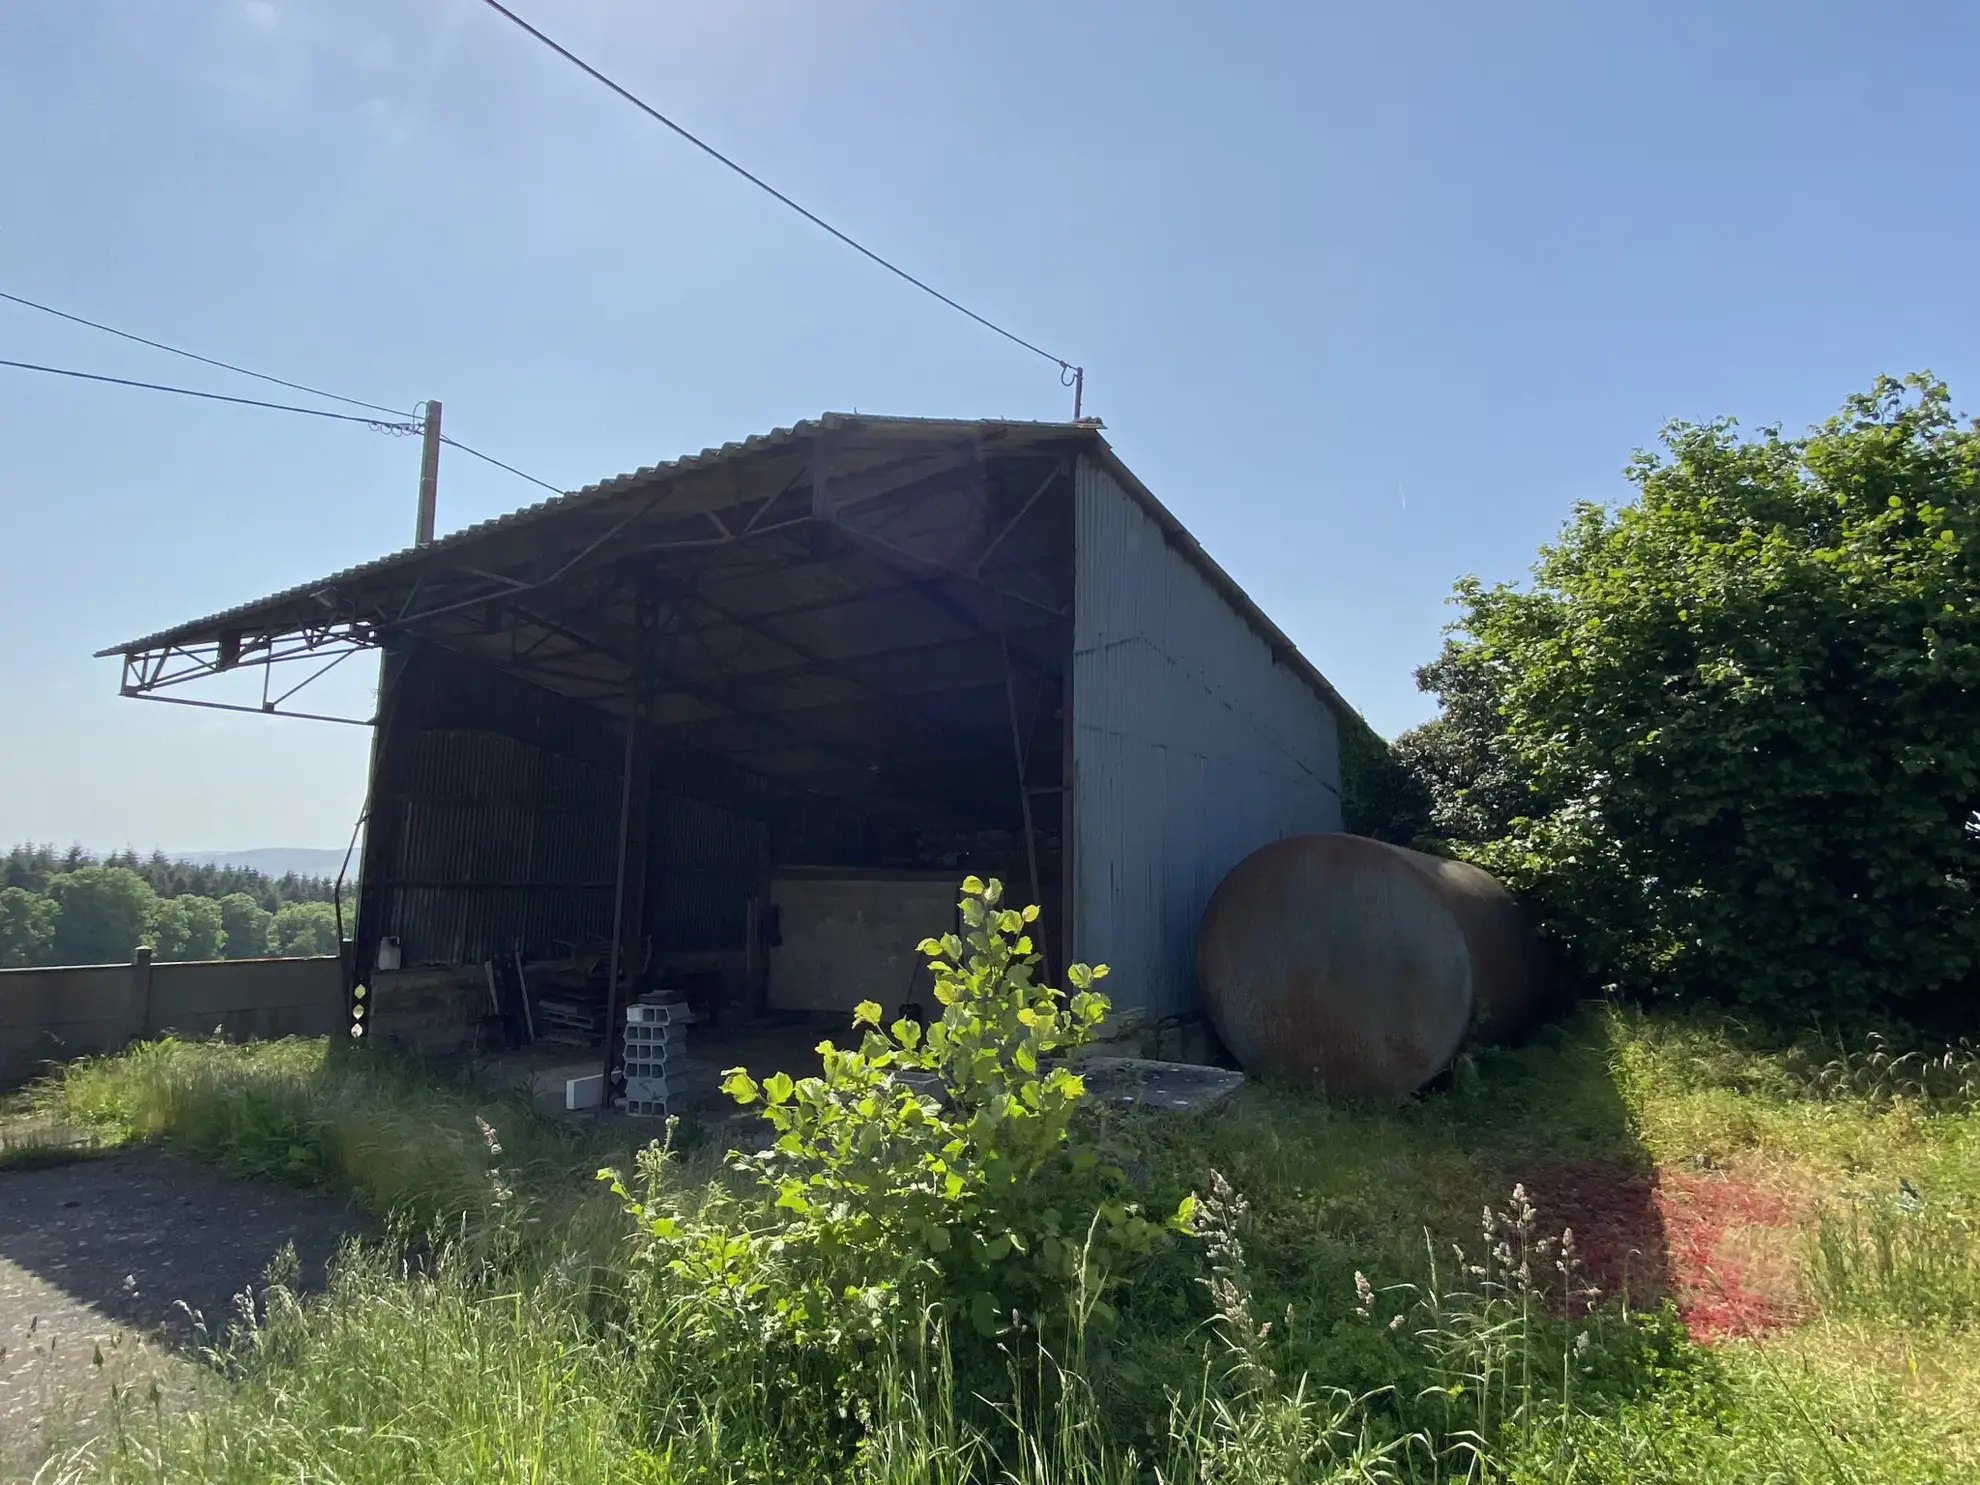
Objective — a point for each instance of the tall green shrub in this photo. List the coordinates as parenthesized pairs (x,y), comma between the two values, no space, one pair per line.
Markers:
(1728,740)
(928,1165)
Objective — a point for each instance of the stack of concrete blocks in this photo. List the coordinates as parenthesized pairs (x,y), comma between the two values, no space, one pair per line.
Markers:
(656,1047)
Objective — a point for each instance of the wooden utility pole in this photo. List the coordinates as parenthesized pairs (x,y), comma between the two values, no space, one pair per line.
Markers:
(429,474)
(369,929)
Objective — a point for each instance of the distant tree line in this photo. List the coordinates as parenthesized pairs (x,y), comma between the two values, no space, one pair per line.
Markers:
(73,908)
(30,867)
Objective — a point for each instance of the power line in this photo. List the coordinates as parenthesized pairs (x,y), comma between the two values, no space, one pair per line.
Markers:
(761,184)
(454,443)
(314,412)
(157,345)
(410,422)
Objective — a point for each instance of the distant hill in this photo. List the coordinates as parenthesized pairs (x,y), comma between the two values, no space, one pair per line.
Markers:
(273,861)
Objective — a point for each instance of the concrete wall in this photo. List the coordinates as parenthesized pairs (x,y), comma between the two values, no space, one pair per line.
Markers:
(848,938)
(1193,745)
(438,1011)
(50,1015)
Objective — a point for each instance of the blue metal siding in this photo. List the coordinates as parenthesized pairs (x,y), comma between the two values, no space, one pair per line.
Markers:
(1193,745)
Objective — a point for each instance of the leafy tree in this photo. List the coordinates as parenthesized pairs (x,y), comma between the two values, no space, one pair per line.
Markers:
(31,866)
(104,911)
(187,927)
(1381,795)
(1462,760)
(249,927)
(1729,738)
(306,928)
(27,927)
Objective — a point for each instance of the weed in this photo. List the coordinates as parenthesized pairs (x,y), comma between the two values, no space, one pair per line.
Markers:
(497,1329)
(1898,1255)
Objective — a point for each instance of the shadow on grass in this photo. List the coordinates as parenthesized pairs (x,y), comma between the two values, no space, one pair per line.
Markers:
(143,1237)
(1336,1189)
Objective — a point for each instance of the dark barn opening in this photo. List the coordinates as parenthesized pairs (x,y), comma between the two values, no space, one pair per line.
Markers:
(808,688)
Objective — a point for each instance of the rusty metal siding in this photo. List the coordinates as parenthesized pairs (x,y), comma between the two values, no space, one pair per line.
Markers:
(707,862)
(1193,745)
(499,843)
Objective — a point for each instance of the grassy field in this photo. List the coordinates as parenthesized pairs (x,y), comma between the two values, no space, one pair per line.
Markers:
(1783,1241)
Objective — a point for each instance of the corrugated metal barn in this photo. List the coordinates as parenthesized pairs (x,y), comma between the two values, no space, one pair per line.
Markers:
(757,709)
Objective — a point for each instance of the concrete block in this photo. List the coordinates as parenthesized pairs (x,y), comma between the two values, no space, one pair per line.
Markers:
(657,1037)
(645,1013)
(584,1093)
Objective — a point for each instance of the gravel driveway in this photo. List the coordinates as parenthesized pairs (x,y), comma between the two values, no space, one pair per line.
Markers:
(104,1258)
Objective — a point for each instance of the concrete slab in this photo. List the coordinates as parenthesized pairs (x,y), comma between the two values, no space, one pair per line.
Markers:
(1146,1083)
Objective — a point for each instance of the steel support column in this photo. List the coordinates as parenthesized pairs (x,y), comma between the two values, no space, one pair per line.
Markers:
(635,818)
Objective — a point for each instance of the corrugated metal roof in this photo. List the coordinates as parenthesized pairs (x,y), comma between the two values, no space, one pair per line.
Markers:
(1085,434)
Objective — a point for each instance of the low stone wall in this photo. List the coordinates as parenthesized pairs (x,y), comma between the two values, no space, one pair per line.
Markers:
(50,1015)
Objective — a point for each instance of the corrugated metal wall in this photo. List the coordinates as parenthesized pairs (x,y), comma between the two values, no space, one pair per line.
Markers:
(706,863)
(501,843)
(1192,747)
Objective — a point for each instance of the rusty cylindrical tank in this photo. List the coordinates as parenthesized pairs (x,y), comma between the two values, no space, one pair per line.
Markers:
(1360,966)
(1505,959)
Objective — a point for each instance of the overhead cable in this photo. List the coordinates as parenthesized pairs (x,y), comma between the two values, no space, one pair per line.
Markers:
(763,185)
(406,422)
(121,381)
(157,345)
(455,443)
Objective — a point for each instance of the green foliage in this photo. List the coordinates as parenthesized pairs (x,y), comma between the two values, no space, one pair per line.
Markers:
(933,1164)
(1899,1254)
(186,928)
(1381,796)
(1462,760)
(248,926)
(70,908)
(305,928)
(104,913)
(27,927)
(1728,741)
(30,866)
(499,1334)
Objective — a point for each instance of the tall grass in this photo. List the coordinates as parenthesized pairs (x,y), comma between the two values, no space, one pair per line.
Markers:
(401,1138)
(1898,1255)
(495,1327)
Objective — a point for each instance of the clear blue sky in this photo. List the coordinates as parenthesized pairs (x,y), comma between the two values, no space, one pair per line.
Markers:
(1367,293)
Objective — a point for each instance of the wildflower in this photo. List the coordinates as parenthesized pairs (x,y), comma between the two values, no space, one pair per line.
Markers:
(1396,1323)
(1365,1292)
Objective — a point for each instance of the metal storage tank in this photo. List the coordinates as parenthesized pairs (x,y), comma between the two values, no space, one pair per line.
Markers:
(1505,973)
(1359,966)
